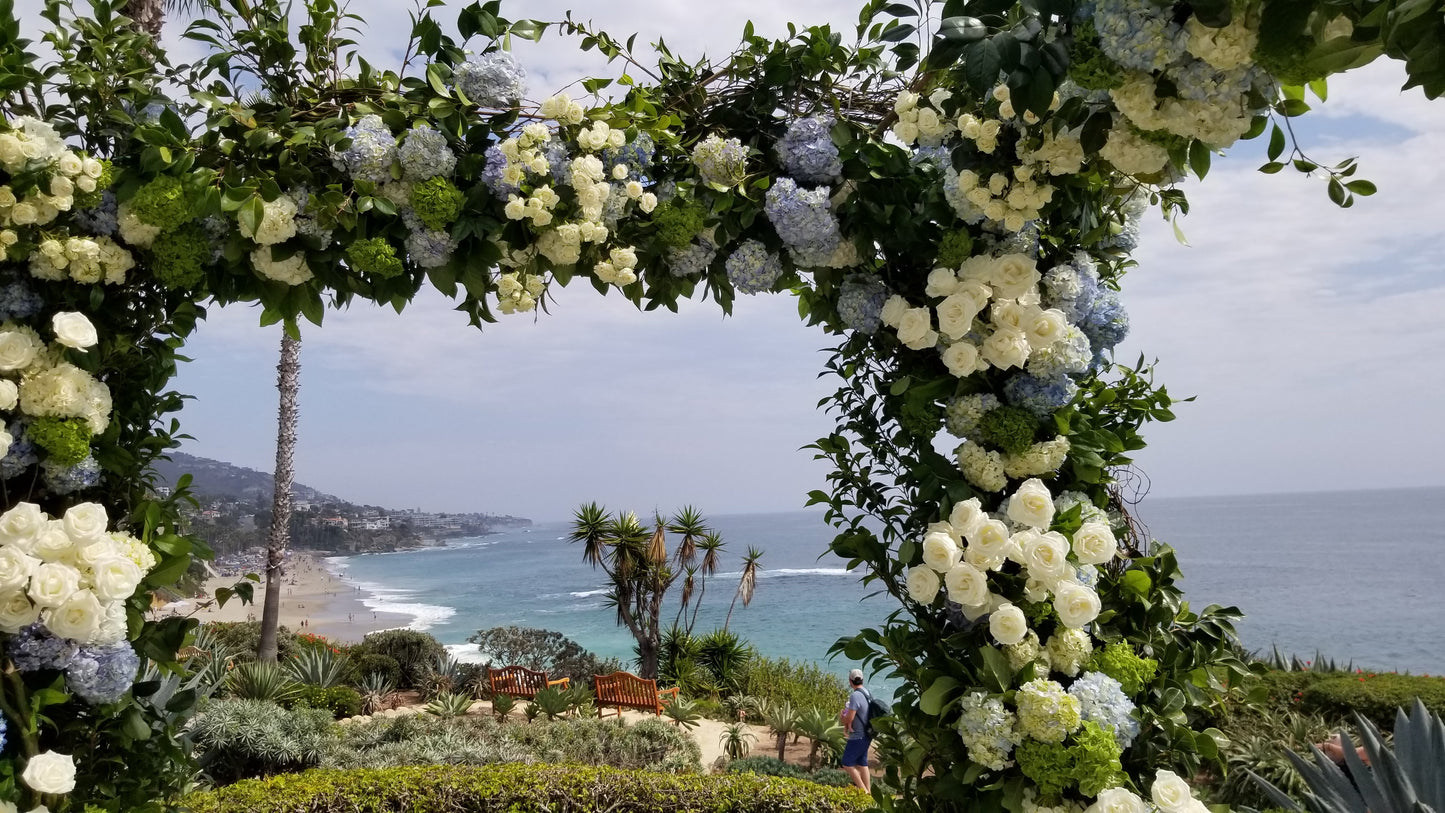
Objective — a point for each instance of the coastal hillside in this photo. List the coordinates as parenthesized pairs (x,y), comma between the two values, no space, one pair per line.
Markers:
(216,478)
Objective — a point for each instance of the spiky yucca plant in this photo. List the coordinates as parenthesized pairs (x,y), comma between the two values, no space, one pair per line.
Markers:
(782,720)
(446,704)
(1410,779)
(375,689)
(822,728)
(683,713)
(737,740)
(261,681)
(502,706)
(553,702)
(317,666)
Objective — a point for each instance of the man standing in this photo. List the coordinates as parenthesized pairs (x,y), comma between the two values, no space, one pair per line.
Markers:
(855,721)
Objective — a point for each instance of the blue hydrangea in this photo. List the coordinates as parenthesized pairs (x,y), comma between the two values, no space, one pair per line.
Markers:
(216,229)
(34,647)
(18,302)
(1102,700)
(559,162)
(1041,396)
(429,248)
(492,174)
(307,224)
(1107,323)
(424,154)
(99,219)
(936,155)
(492,80)
(695,259)
(752,268)
(1072,287)
(102,674)
(372,151)
(860,303)
(719,161)
(4,728)
(1138,35)
(1071,356)
(807,151)
(962,206)
(22,454)
(801,217)
(1197,80)
(70,479)
(636,154)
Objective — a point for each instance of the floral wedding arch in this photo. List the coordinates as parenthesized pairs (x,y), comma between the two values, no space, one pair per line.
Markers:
(953,195)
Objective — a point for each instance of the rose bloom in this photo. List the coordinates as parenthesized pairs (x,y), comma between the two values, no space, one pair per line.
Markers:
(1170,793)
(1013,275)
(956,314)
(74,330)
(115,578)
(893,310)
(967,585)
(1076,604)
(1046,556)
(990,538)
(50,772)
(78,618)
(1006,348)
(21,525)
(1008,625)
(1046,327)
(16,567)
(16,611)
(53,583)
(967,516)
(961,358)
(941,282)
(1032,505)
(53,544)
(17,350)
(1094,543)
(915,329)
(1117,800)
(922,584)
(940,552)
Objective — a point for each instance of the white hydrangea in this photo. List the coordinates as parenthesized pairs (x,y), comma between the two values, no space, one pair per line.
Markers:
(293,270)
(982,468)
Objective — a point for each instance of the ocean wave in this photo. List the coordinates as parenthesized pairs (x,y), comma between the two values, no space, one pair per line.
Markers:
(465,653)
(785,572)
(588,593)
(382,599)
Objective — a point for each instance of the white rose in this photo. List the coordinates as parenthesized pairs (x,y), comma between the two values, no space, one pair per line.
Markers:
(17,350)
(53,544)
(1117,800)
(941,282)
(893,310)
(1032,505)
(990,538)
(940,552)
(74,330)
(961,358)
(956,314)
(966,516)
(53,583)
(1008,625)
(1046,328)
(115,578)
(915,329)
(16,568)
(967,585)
(1005,348)
(1170,793)
(89,555)
(981,560)
(9,394)
(112,628)
(922,584)
(1013,275)
(1076,604)
(16,611)
(1046,556)
(1011,314)
(1094,543)
(50,773)
(79,618)
(21,525)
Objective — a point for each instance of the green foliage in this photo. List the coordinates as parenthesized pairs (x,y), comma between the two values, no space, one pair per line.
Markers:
(261,681)
(1259,739)
(66,441)
(683,712)
(502,706)
(414,652)
(1119,661)
(822,727)
(1089,67)
(318,666)
(446,704)
(802,684)
(1374,696)
(241,639)
(374,255)
(163,203)
(770,766)
(236,739)
(374,689)
(562,789)
(1008,428)
(541,651)
(553,702)
(437,201)
(370,663)
(341,701)
(1048,764)
(179,256)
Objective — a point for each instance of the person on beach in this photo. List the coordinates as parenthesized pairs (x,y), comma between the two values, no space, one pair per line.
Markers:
(1334,749)
(855,721)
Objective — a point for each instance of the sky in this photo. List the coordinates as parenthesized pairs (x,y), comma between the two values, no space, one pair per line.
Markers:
(1312,338)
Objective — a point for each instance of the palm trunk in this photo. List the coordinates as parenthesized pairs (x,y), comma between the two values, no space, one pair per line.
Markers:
(148,16)
(782,744)
(288,373)
(729,618)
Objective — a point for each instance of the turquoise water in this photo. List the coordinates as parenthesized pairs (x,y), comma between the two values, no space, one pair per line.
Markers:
(1355,575)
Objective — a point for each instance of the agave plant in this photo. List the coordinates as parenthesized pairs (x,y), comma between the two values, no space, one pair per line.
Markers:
(737,740)
(531,711)
(821,728)
(502,706)
(447,704)
(261,681)
(782,720)
(683,713)
(553,702)
(375,689)
(317,666)
(443,677)
(1411,779)
(580,700)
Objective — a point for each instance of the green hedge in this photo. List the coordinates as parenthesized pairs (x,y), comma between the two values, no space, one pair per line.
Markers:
(1286,687)
(522,789)
(341,701)
(1374,695)
(772,766)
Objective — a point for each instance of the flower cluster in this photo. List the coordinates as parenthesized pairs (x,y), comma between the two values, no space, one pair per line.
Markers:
(1121,663)
(807,151)
(753,269)
(987,729)
(371,152)
(518,292)
(46,177)
(492,80)
(919,123)
(860,304)
(424,154)
(721,162)
(1102,700)
(1046,712)
(801,217)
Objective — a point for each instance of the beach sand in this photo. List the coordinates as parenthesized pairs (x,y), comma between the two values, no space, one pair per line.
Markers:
(313,600)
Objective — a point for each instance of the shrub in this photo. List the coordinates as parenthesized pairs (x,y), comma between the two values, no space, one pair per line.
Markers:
(243,638)
(341,701)
(543,651)
(1284,688)
(261,681)
(317,666)
(414,652)
(770,766)
(558,788)
(371,663)
(803,685)
(239,739)
(1375,696)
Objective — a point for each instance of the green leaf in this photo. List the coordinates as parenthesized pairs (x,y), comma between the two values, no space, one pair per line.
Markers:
(1199,158)
(981,63)
(996,669)
(1276,143)
(1361,187)
(900,386)
(1137,582)
(933,697)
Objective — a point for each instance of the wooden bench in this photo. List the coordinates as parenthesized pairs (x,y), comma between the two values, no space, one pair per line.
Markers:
(519,681)
(624,690)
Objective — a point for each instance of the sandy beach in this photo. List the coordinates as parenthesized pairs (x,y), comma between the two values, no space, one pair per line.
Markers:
(312,600)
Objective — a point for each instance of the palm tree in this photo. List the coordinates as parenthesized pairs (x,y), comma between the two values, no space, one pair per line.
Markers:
(689,523)
(782,720)
(821,728)
(657,546)
(711,545)
(747,584)
(625,551)
(689,582)
(288,382)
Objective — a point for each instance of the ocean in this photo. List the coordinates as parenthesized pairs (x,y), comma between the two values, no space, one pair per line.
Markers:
(1354,576)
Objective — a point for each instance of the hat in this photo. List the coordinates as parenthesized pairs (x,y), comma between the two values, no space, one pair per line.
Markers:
(856,674)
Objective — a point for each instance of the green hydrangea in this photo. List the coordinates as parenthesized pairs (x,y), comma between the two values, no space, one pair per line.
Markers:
(1008,428)
(374,255)
(1095,759)
(678,222)
(955,247)
(179,256)
(1119,662)
(438,202)
(1046,712)
(91,199)
(65,440)
(1089,66)
(1047,764)
(920,417)
(164,203)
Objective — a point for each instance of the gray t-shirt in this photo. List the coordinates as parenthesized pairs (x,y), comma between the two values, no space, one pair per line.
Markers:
(858,702)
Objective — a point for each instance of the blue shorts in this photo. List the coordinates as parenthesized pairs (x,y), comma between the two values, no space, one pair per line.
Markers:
(855,754)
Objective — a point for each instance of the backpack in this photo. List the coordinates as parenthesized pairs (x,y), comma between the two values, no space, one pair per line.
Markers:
(877,707)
